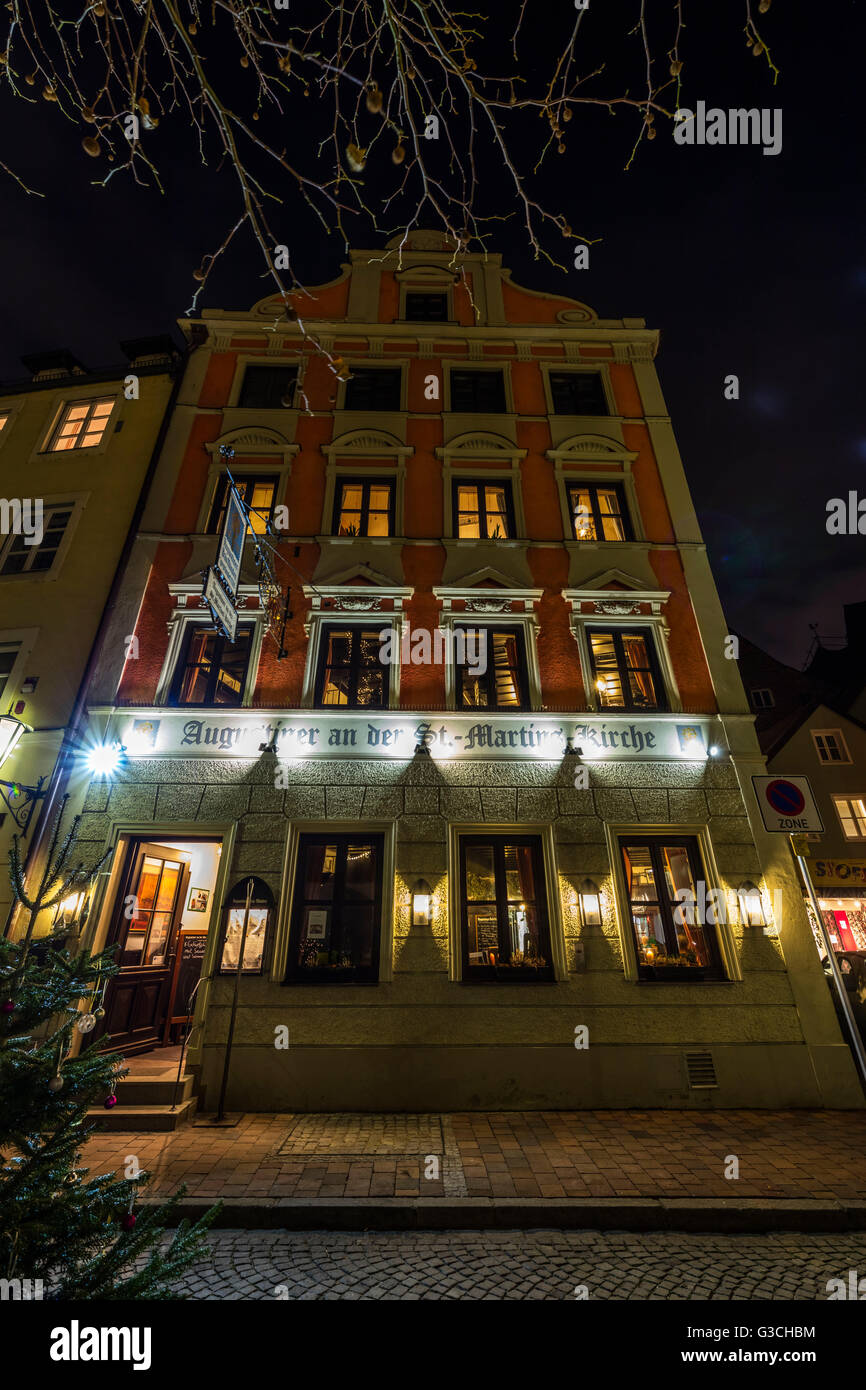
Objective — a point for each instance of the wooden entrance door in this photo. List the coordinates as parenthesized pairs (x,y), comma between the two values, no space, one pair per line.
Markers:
(145,926)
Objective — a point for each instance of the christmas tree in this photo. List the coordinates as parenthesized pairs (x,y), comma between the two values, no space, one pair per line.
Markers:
(79,1234)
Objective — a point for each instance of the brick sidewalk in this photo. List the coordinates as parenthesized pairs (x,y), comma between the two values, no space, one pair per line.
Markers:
(804,1155)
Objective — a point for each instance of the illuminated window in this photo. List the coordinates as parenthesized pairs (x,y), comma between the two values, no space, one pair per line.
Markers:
(81,425)
(598,513)
(364,507)
(257,494)
(268,388)
(478,393)
(337,909)
(625,672)
(4,419)
(504,908)
(483,511)
(17,557)
(578,393)
(350,672)
(211,670)
(831,746)
(851,811)
(502,683)
(674,935)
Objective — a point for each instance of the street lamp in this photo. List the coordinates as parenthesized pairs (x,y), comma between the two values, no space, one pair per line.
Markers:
(19,800)
(751,905)
(11,731)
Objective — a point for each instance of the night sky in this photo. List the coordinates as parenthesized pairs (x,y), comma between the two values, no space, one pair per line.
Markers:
(748,264)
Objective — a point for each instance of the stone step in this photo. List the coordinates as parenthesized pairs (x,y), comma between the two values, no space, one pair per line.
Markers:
(154,1090)
(131,1119)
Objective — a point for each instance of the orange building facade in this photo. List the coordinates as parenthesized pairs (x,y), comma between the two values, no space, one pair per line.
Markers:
(487,759)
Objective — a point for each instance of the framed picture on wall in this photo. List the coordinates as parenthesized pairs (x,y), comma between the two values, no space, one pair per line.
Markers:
(198,900)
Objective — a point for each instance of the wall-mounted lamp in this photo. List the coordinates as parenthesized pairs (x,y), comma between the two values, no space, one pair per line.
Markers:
(70,912)
(571,751)
(421,903)
(590,903)
(105,758)
(751,902)
(20,801)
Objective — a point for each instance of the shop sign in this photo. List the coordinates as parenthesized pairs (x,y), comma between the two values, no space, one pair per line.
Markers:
(839,873)
(318,733)
(221,605)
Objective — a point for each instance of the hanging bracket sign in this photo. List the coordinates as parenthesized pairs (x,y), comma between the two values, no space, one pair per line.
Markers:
(221,605)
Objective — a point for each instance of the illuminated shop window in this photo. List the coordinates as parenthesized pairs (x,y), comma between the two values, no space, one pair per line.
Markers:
(674,937)
(350,672)
(625,671)
(503,906)
(364,507)
(483,511)
(598,513)
(337,910)
(211,670)
(851,811)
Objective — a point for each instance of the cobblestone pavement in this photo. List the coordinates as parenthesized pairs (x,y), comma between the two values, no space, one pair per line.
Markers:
(795,1154)
(316,1265)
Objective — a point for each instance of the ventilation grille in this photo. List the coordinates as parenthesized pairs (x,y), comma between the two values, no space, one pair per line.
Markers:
(701,1070)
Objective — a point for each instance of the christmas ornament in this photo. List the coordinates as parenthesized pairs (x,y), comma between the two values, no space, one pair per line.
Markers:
(99,1013)
(128,1221)
(86,1022)
(56,1083)
(110,1101)
(8,1006)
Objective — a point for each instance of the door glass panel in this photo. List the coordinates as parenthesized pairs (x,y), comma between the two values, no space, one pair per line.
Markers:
(480,881)
(158,938)
(147,885)
(168,887)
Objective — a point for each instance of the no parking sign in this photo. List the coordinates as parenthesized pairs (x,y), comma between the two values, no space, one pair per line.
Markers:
(787,804)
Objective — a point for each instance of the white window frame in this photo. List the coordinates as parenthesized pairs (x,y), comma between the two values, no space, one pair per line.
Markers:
(21,640)
(761,690)
(184,617)
(654,622)
(544,830)
(76,503)
(848,798)
(297,828)
(344,612)
(493,608)
(461,457)
(841,742)
(360,453)
(66,401)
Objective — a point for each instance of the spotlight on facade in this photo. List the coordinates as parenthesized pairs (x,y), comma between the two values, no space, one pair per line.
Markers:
(571,751)
(713,751)
(752,912)
(421,903)
(590,905)
(11,731)
(105,759)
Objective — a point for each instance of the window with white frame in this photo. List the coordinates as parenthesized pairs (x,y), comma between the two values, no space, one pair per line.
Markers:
(851,811)
(17,557)
(762,698)
(81,425)
(830,746)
